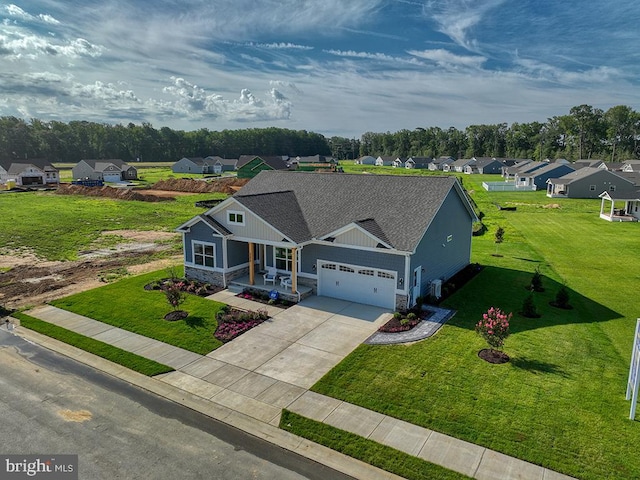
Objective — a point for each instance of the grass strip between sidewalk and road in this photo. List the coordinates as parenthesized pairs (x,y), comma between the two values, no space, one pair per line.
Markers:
(109,352)
(368,451)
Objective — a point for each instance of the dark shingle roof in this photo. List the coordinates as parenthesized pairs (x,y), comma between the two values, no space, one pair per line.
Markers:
(396,209)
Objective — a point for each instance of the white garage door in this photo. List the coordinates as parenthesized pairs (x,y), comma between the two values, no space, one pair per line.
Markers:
(111,177)
(357,284)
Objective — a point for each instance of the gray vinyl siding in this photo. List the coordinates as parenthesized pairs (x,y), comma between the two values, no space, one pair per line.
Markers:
(237,253)
(385,261)
(540,180)
(438,257)
(202,232)
(602,180)
(83,170)
(186,166)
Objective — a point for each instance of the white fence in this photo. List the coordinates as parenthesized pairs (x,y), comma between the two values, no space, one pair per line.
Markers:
(506,187)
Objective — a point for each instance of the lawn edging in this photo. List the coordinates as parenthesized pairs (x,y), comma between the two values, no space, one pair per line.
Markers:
(129,360)
(368,451)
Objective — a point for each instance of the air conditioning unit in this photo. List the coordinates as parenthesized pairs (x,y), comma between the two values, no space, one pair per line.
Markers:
(436,288)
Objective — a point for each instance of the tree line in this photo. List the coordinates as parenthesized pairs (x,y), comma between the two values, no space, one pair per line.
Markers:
(585,132)
(77,140)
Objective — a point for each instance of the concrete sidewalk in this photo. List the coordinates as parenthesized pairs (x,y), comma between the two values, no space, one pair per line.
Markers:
(272,366)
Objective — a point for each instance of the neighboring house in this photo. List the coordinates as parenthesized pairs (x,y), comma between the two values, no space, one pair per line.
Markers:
(631,166)
(113,170)
(312,159)
(458,165)
(538,177)
(589,163)
(385,161)
(221,165)
(520,169)
(436,164)
(344,236)
(588,182)
(629,213)
(398,163)
(29,172)
(193,165)
(484,165)
(418,162)
(563,161)
(257,164)
(366,160)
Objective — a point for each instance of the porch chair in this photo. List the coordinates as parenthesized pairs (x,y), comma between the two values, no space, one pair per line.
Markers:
(271,276)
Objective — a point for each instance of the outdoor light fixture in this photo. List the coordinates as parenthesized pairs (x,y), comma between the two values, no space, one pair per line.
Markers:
(401,281)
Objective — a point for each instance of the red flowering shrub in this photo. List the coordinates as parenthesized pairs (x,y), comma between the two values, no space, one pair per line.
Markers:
(232,323)
(494,327)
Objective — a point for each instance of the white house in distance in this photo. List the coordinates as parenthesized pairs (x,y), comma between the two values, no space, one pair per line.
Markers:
(112,170)
(29,172)
(366,160)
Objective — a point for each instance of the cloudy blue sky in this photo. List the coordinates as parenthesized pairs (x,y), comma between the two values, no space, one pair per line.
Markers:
(337,67)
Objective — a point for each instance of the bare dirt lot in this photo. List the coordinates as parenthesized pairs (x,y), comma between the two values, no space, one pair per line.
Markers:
(26,280)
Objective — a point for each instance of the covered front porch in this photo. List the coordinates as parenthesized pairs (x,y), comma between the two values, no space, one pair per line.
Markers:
(283,288)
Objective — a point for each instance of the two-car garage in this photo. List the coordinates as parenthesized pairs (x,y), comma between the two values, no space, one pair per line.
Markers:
(359,284)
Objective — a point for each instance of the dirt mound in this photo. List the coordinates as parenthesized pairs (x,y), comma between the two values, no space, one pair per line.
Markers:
(228,185)
(551,205)
(110,192)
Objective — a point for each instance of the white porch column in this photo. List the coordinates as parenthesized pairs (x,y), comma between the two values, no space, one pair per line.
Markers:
(294,270)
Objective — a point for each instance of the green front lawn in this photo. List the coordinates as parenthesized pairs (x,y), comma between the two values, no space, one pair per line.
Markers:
(560,401)
(126,304)
(114,354)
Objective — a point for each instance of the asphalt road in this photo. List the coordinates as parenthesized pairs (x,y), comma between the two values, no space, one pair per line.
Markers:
(50,404)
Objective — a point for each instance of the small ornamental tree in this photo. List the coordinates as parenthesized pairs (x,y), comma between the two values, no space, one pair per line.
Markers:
(536,282)
(529,309)
(494,327)
(499,238)
(562,298)
(174,294)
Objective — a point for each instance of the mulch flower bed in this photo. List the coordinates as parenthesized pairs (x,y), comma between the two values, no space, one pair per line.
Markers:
(233,322)
(263,297)
(189,286)
(493,356)
(404,322)
(176,315)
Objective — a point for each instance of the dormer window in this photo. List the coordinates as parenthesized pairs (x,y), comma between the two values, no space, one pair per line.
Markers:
(235,218)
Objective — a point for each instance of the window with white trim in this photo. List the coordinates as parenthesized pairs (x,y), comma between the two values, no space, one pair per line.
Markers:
(235,218)
(612,188)
(592,188)
(283,258)
(204,254)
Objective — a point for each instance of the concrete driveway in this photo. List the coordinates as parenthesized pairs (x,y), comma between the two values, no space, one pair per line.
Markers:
(302,343)
(270,366)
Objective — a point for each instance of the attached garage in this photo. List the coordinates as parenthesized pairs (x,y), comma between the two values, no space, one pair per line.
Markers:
(359,284)
(111,177)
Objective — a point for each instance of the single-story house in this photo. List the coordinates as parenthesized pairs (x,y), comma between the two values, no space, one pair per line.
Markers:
(345,236)
(418,162)
(398,163)
(587,182)
(437,163)
(366,160)
(629,213)
(521,168)
(538,177)
(458,165)
(250,168)
(484,165)
(385,161)
(589,163)
(112,170)
(193,165)
(312,159)
(29,172)
(221,165)
(631,166)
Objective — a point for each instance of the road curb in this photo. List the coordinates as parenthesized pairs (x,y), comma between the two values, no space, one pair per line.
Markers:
(272,434)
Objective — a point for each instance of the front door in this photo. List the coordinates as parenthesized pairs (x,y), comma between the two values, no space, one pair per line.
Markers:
(416,282)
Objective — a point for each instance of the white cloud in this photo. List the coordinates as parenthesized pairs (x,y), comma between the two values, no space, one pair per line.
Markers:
(455,18)
(383,57)
(544,71)
(193,101)
(16,11)
(103,92)
(280,46)
(16,44)
(288,85)
(448,59)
